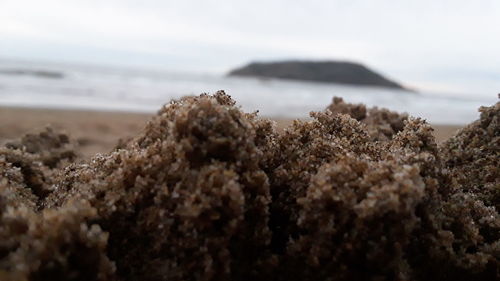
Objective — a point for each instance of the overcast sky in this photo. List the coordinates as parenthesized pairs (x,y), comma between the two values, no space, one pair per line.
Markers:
(435,44)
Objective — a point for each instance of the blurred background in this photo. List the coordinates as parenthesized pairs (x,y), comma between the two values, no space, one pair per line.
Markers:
(134,56)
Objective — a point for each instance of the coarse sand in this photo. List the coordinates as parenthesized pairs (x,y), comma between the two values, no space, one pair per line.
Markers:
(208,192)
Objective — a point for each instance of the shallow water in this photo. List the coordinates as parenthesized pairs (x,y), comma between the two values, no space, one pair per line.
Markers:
(86,87)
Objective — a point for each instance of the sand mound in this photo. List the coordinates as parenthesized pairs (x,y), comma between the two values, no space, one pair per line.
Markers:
(207,192)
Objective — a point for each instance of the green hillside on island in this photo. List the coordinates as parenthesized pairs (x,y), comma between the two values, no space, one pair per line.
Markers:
(318,71)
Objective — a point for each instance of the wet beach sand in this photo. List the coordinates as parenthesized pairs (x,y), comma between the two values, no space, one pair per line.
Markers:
(100,131)
(205,191)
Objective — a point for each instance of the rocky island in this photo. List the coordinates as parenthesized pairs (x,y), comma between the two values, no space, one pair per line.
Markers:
(318,71)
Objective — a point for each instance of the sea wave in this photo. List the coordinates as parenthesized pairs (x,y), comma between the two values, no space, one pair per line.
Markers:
(144,91)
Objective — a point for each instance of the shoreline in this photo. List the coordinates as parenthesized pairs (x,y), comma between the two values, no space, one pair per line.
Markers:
(99,131)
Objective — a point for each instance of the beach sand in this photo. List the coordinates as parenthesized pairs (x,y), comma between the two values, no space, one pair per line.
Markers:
(208,192)
(99,131)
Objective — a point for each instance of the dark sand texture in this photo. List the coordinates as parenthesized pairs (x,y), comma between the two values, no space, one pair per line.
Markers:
(207,192)
(99,132)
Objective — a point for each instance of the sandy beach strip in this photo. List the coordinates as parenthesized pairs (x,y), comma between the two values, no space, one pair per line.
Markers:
(99,131)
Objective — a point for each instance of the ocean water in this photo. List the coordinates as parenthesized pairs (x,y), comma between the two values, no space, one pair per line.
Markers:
(105,88)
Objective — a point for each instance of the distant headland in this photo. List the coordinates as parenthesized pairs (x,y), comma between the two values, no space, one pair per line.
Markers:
(29,72)
(319,71)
